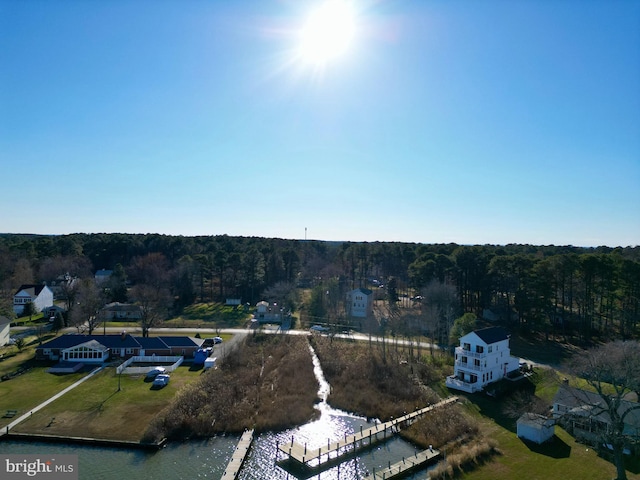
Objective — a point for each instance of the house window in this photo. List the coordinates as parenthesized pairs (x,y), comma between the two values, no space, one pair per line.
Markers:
(490,348)
(463,359)
(479,349)
(476,362)
(466,347)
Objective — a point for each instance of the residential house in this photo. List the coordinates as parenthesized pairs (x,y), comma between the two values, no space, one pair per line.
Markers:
(81,348)
(62,284)
(483,357)
(5,324)
(119,346)
(360,302)
(150,346)
(122,311)
(585,414)
(185,346)
(91,351)
(52,311)
(535,428)
(40,295)
(102,276)
(269,313)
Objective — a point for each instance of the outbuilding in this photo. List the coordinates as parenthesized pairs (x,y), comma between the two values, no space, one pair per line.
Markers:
(535,428)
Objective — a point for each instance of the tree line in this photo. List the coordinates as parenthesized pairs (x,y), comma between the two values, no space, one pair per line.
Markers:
(565,290)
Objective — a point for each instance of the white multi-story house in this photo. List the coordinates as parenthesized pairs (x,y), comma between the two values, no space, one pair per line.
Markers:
(483,357)
(360,302)
(40,295)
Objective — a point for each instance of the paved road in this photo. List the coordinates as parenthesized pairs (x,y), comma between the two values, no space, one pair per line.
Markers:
(240,333)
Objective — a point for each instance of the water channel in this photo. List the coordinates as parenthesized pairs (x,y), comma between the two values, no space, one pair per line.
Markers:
(207,459)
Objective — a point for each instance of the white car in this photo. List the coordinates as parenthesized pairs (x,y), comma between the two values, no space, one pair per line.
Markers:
(156,371)
(161,380)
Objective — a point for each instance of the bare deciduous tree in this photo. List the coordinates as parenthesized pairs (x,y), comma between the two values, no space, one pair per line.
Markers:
(154,304)
(613,371)
(85,313)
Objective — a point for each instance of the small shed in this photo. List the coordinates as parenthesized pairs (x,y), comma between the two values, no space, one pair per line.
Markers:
(210,363)
(535,428)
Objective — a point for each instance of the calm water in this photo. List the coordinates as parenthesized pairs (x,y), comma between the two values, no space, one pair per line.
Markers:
(207,459)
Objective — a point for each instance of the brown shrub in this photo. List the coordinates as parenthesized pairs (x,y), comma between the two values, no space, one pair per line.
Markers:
(443,426)
(364,381)
(267,383)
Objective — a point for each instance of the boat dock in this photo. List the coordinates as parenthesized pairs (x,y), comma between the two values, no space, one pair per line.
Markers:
(240,453)
(314,458)
(404,466)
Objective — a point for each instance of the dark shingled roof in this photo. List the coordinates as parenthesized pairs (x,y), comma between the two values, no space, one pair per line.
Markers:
(151,343)
(492,334)
(73,339)
(36,289)
(179,341)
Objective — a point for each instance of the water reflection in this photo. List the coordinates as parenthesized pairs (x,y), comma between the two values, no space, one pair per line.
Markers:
(207,459)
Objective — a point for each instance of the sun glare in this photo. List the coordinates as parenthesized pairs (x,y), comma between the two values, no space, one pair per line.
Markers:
(327,33)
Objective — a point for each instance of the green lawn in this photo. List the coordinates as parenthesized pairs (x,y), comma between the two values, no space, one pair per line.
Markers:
(562,457)
(97,409)
(30,389)
(206,314)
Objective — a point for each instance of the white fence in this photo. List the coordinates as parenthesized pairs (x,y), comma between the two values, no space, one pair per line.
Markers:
(175,362)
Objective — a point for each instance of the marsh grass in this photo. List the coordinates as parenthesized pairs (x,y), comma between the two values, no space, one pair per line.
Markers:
(366,381)
(266,383)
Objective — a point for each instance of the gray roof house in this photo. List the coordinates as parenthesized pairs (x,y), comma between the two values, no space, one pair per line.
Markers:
(585,414)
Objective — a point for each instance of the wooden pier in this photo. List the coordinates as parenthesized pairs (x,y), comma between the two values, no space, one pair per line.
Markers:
(314,458)
(404,466)
(240,453)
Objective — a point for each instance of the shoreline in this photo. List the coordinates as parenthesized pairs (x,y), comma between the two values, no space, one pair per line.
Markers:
(102,442)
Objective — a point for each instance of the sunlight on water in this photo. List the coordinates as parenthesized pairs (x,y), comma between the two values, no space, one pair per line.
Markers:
(207,459)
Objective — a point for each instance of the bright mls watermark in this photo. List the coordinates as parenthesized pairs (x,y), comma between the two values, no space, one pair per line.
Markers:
(51,467)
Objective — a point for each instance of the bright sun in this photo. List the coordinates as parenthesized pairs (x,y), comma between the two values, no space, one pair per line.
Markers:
(327,33)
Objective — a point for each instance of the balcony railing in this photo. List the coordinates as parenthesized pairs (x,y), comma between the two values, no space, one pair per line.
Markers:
(469,353)
(469,366)
(453,382)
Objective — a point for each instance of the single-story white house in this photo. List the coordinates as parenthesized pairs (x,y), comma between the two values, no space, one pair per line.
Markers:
(121,311)
(40,295)
(535,428)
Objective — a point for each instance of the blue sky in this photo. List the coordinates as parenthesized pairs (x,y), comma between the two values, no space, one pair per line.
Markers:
(444,121)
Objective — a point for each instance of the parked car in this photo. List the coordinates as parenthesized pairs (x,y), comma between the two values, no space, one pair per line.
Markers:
(217,340)
(161,380)
(155,372)
(319,328)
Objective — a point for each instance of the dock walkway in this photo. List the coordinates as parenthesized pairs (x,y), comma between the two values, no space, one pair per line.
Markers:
(403,466)
(313,458)
(240,453)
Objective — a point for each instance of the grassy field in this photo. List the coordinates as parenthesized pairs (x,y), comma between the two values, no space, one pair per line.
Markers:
(210,315)
(97,409)
(31,388)
(562,458)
